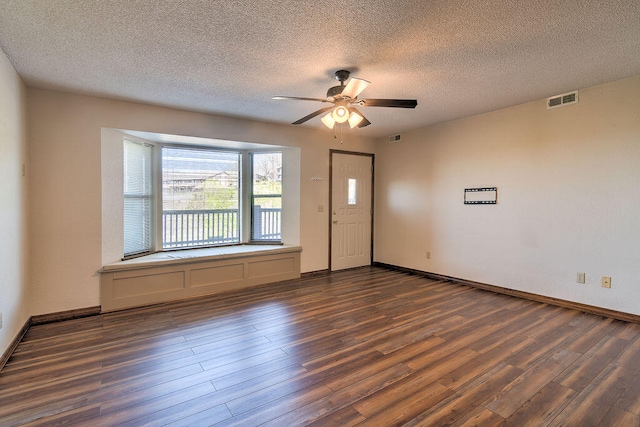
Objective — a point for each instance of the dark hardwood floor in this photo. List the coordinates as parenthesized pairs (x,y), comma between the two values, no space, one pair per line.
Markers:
(369,347)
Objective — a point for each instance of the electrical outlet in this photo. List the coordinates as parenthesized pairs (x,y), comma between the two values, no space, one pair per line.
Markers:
(580,278)
(428,255)
(606,282)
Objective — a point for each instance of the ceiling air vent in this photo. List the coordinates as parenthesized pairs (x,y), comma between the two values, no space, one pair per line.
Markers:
(395,138)
(562,100)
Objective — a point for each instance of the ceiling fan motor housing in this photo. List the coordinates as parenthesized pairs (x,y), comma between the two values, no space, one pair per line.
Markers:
(334,91)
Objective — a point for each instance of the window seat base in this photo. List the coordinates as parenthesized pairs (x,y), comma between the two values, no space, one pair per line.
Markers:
(169,276)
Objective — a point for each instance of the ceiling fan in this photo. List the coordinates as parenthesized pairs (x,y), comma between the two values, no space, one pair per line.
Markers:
(344,99)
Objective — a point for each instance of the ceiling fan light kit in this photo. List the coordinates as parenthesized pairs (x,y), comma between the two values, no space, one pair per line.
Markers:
(340,114)
(354,119)
(328,121)
(343,97)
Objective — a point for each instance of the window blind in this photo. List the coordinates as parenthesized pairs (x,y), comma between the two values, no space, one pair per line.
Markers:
(137,197)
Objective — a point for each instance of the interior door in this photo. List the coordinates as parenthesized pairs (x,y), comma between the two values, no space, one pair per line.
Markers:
(351,210)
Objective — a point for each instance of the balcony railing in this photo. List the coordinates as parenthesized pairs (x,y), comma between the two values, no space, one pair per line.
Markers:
(267,223)
(199,227)
(182,228)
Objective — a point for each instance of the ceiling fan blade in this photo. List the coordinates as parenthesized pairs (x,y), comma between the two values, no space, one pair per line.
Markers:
(300,98)
(398,103)
(354,87)
(364,122)
(312,115)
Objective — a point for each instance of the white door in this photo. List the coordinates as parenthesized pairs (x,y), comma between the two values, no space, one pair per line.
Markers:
(351,213)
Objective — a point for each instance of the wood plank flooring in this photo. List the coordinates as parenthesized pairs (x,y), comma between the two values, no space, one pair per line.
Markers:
(370,347)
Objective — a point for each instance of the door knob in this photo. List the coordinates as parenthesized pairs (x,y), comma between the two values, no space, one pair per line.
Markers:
(335,221)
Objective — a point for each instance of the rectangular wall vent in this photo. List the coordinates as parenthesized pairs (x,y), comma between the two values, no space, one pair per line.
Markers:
(562,100)
(395,138)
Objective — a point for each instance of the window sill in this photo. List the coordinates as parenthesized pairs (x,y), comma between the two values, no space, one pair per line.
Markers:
(198,255)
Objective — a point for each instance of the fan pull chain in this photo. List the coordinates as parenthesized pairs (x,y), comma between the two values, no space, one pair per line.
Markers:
(335,136)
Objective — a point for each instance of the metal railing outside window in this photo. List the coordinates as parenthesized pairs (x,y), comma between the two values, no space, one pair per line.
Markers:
(190,228)
(267,223)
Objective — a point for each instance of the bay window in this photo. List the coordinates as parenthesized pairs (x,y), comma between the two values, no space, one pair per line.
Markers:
(179,197)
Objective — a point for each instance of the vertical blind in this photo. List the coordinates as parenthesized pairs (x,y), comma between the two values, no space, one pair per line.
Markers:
(137,197)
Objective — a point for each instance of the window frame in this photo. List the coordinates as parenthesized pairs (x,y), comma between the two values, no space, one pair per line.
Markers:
(252,197)
(245,205)
(160,208)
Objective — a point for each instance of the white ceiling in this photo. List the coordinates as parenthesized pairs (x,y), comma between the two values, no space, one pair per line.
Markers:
(457,58)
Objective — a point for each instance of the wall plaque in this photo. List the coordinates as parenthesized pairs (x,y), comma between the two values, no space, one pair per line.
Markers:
(481,196)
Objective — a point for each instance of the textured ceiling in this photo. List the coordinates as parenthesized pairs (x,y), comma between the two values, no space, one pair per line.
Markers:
(457,58)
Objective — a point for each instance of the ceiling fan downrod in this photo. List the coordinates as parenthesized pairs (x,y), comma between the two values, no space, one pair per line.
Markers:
(335,91)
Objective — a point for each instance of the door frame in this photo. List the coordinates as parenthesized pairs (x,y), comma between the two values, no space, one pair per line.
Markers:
(373,169)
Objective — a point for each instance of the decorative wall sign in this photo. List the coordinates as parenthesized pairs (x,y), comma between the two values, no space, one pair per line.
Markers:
(481,196)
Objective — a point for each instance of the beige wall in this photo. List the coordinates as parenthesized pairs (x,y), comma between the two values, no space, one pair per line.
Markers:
(65,186)
(14,302)
(568,198)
